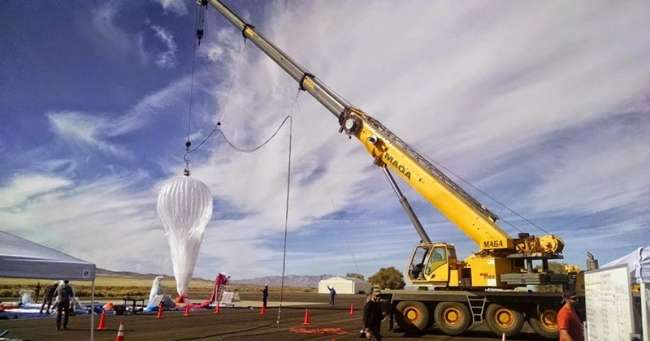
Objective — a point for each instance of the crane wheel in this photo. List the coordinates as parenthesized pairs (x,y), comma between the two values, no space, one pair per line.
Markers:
(504,320)
(452,318)
(544,322)
(412,316)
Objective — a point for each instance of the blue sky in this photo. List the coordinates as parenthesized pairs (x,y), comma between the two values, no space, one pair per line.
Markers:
(546,106)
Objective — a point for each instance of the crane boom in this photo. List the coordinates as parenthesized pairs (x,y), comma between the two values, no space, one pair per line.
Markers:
(389,151)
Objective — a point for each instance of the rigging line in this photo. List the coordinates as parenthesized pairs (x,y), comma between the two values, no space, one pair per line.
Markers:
(286,215)
(194,48)
(217,128)
(286,224)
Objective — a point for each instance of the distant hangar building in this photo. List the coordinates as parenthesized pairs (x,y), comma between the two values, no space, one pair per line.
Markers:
(344,285)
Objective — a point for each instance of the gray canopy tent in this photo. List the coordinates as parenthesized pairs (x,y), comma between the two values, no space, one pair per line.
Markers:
(21,258)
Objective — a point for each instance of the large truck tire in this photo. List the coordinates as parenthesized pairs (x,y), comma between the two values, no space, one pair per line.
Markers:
(452,318)
(504,320)
(412,317)
(544,322)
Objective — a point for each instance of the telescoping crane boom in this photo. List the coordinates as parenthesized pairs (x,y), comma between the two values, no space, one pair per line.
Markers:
(502,261)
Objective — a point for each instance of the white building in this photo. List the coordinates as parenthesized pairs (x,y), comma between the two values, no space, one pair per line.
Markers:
(344,285)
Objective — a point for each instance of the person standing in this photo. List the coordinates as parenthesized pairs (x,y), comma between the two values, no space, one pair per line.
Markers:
(48,295)
(265,295)
(568,321)
(37,291)
(64,294)
(332,294)
(372,316)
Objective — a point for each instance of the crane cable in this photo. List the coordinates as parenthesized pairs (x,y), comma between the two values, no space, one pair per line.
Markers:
(288,118)
(199,24)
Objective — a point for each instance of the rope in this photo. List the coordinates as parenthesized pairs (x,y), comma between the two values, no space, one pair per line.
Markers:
(195,43)
(288,118)
(286,224)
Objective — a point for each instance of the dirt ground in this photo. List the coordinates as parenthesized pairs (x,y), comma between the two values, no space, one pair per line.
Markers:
(327,323)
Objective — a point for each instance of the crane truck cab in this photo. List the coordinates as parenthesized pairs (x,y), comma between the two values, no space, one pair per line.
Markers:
(433,265)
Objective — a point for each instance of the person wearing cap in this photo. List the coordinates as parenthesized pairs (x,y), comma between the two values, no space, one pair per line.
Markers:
(372,316)
(568,321)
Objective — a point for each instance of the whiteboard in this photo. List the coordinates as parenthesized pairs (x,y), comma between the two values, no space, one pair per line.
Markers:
(609,304)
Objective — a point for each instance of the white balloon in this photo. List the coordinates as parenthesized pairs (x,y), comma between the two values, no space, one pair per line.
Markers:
(185,208)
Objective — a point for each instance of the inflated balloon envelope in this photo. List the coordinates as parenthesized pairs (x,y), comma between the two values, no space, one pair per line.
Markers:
(185,208)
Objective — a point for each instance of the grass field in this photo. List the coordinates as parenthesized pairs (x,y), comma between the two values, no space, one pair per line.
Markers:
(120,286)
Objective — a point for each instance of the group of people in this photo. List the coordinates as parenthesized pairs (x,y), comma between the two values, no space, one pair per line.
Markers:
(59,296)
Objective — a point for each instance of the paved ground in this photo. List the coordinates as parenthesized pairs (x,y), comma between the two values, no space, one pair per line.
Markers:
(231,324)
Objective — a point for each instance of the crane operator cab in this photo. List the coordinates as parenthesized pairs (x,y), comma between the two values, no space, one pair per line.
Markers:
(433,265)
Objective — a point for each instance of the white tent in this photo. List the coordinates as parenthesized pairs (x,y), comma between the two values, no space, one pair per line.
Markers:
(21,258)
(344,285)
(638,264)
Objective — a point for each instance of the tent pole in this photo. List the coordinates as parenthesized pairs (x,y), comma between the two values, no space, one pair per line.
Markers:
(92,312)
(644,311)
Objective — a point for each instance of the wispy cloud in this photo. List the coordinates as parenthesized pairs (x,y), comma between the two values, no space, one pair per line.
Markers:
(177,7)
(103,21)
(28,186)
(84,130)
(166,59)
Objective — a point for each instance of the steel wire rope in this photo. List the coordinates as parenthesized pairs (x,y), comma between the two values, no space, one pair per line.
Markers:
(195,44)
(288,118)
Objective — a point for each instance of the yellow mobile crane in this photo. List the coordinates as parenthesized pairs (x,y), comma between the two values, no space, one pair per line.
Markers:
(452,293)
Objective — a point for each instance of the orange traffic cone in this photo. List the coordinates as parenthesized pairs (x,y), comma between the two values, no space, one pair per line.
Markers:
(307,318)
(120,333)
(102,322)
(351,309)
(217,309)
(187,310)
(161,308)
(263,310)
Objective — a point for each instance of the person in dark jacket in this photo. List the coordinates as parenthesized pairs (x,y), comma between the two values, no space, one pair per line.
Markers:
(332,294)
(372,316)
(48,295)
(265,295)
(64,294)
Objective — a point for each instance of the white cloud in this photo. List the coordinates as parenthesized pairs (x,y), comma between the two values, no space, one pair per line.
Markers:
(96,219)
(166,59)
(150,106)
(84,130)
(142,52)
(103,21)
(26,186)
(178,7)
